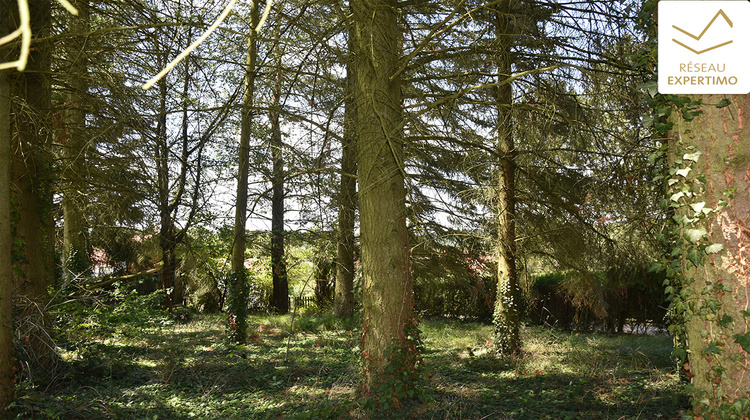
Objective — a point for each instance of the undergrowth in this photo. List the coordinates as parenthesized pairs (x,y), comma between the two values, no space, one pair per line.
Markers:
(134,361)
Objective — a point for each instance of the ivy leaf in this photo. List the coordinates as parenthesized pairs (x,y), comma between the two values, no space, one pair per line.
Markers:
(656,267)
(743,340)
(651,87)
(692,156)
(724,102)
(714,248)
(656,155)
(698,207)
(725,321)
(712,349)
(745,313)
(648,121)
(680,219)
(695,257)
(663,128)
(683,172)
(695,235)
(680,353)
(690,115)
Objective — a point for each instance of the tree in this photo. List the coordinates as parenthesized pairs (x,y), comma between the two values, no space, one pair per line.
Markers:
(74,139)
(388,326)
(280,293)
(7,372)
(548,139)
(32,177)
(506,317)
(238,287)
(178,128)
(343,301)
(710,189)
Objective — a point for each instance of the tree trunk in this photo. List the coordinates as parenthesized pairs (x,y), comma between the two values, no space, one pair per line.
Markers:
(237,289)
(717,329)
(388,326)
(322,279)
(280,295)
(240,214)
(7,372)
(75,251)
(32,180)
(344,295)
(166,227)
(506,318)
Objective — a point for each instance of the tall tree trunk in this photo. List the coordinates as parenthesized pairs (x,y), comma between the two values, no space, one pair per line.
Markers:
(240,214)
(506,318)
(717,328)
(388,326)
(166,225)
(32,178)
(237,287)
(7,373)
(75,252)
(280,295)
(344,295)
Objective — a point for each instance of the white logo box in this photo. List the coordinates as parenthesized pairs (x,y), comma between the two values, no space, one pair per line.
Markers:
(704,47)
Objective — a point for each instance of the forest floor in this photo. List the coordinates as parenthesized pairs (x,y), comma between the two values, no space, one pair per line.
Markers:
(125,366)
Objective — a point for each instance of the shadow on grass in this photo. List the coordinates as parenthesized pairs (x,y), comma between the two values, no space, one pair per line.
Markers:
(188,371)
(560,375)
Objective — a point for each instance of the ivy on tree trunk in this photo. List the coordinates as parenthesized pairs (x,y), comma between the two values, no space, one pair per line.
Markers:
(388,343)
(506,317)
(711,194)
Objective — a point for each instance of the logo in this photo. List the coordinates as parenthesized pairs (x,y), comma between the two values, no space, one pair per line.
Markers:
(713,62)
(698,38)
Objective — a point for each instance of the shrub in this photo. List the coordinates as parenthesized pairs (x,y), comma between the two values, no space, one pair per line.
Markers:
(609,299)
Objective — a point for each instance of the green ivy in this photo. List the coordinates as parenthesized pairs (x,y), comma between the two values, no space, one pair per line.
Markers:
(237,300)
(685,237)
(402,374)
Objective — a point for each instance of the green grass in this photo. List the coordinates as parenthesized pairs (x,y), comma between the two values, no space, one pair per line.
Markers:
(186,371)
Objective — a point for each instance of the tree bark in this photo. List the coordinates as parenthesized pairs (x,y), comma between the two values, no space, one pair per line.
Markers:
(237,286)
(322,280)
(7,372)
(166,225)
(386,283)
(506,317)
(280,295)
(75,250)
(240,214)
(717,329)
(344,294)
(33,180)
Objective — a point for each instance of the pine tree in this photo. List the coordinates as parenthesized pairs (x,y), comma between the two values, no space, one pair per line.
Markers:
(388,330)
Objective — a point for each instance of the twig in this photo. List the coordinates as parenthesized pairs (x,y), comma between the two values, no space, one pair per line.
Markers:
(24,31)
(192,46)
(202,38)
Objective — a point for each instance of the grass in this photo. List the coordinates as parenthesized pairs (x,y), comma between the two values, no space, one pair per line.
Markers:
(168,370)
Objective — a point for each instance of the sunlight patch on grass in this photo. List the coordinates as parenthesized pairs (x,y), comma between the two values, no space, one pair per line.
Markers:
(146,362)
(189,371)
(305,391)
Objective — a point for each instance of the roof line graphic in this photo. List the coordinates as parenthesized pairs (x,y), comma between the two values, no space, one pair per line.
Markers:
(702,51)
(697,38)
